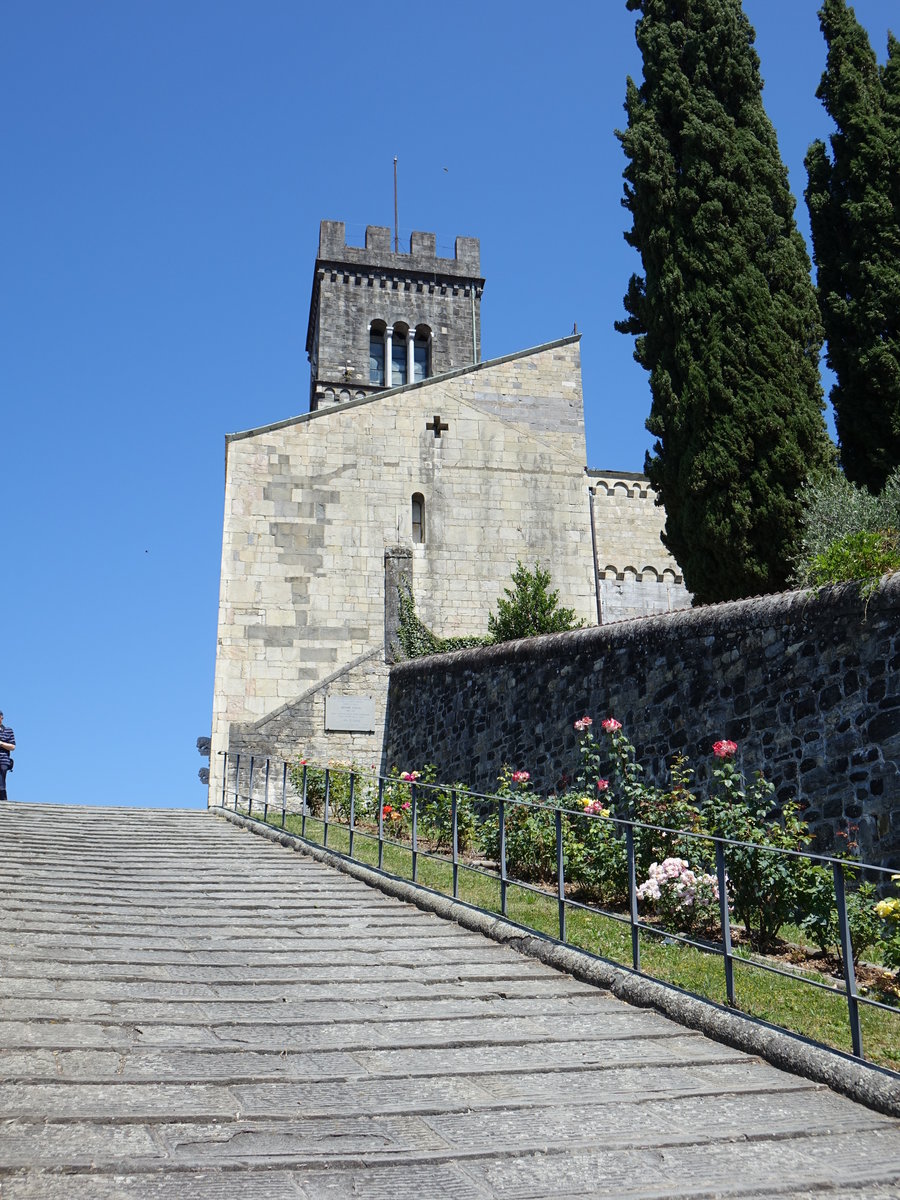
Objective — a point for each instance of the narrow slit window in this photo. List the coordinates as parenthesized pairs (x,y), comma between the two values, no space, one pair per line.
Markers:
(418,519)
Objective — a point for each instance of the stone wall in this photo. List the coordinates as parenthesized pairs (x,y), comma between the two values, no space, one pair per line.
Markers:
(636,574)
(807,685)
(313,504)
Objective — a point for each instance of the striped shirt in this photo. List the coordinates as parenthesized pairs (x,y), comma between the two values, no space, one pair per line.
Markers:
(6,735)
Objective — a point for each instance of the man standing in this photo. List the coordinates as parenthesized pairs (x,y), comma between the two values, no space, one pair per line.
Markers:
(7,745)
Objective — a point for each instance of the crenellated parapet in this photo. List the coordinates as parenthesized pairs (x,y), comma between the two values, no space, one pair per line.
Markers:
(378,252)
(624,485)
(635,571)
(646,574)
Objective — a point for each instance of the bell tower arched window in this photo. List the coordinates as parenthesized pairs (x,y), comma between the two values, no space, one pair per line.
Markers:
(421,354)
(399,368)
(376,353)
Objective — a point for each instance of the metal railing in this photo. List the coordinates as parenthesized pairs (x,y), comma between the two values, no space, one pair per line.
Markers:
(276,793)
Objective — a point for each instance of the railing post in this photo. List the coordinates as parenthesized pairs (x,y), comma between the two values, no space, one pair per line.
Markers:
(224,775)
(303,803)
(560,877)
(632,899)
(415,835)
(502,857)
(250,790)
(266,794)
(725,921)
(283,793)
(237,780)
(327,799)
(455,828)
(352,808)
(380,822)
(847,955)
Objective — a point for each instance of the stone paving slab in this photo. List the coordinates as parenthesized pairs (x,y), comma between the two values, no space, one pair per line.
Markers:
(328,1035)
(187,1011)
(332,1140)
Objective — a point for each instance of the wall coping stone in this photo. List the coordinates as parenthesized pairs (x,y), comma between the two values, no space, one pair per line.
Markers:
(322,684)
(757,612)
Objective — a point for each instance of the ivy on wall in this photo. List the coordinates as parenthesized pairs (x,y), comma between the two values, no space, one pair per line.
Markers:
(417,640)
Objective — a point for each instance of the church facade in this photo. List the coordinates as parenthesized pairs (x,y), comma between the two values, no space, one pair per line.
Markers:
(417,465)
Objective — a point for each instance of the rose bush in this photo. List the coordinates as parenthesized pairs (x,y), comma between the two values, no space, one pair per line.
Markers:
(683,900)
(888,911)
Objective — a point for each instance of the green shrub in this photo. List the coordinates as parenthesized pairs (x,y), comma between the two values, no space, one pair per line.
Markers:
(766,889)
(821,919)
(836,515)
(364,789)
(888,911)
(434,807)
(601,869)
(529,608)
(530,832)
(862,556)
(631,798)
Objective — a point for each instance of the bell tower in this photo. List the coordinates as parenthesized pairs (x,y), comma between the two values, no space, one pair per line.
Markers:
(380,319)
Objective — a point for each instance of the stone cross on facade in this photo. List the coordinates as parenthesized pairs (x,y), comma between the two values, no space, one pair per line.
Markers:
(437,425)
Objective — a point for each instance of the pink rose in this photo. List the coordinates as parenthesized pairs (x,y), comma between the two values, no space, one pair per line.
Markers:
(410,776)
(724,749)
(583,724)
(520,776)
(610,725)
(602,785)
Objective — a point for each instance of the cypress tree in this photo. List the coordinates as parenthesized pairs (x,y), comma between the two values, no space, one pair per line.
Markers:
(725,314)
(854,209)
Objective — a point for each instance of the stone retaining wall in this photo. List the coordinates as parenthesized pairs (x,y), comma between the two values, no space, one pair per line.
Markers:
(806,684)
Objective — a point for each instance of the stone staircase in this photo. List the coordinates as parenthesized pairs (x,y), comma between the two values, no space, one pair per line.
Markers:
(189,1011)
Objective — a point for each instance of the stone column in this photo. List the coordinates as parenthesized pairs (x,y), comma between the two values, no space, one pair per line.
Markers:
(388,355)
(410,355)
(397,574)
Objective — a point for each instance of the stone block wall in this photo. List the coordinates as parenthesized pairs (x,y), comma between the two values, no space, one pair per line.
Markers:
(807,685)
(637,574)
(312,505)
(296,729)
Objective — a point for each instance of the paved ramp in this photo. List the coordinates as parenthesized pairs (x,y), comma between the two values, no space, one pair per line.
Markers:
(188,1011)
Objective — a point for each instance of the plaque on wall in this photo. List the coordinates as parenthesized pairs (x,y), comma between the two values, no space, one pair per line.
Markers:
(350,714)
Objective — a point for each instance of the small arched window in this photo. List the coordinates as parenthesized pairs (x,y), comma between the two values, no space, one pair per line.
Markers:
(376,353)
(418,519)
(421,352)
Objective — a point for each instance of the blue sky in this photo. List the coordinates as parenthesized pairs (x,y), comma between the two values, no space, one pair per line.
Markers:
(166,166)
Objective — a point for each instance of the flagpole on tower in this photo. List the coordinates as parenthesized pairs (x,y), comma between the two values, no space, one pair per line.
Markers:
(396,228)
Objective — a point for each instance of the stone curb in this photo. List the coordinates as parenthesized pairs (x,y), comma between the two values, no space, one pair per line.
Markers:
(865,1084)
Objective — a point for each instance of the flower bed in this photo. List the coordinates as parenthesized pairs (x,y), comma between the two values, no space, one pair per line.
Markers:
(770,885)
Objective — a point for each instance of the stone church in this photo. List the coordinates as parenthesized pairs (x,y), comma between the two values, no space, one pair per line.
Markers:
(417,464)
